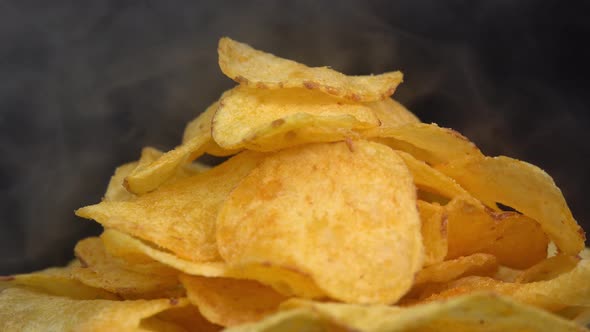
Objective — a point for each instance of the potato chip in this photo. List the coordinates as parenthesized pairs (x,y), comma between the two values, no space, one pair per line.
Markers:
(474,312)
(187,318)
(294,320)
(115,190)
(548,269)
(516,240)
(179,216)
(434,232)
(343,214)
(392,114)
(230,302)
(100,271)
(524,187)
(28,310)
(267,120)
(56,281)
(257,69)
(568,289)
(476,264)
(426,142)
(429,179)
(134,250)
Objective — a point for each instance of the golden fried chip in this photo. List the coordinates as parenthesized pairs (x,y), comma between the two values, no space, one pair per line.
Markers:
(294,320)
(56,281)
(186,318)
(100,271)
(568,289)
(261,70)
(230,302)
(434,232)
(267,120)
(548,269)
(476,264)
(426,142)
(474,312)
(179,216)
(115,190)
(134,250)
(431,180)
(524,187)
(516,240)
(28,310)
(392,114)
(343,214)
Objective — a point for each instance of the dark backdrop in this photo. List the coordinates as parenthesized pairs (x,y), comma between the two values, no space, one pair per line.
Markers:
(85,84)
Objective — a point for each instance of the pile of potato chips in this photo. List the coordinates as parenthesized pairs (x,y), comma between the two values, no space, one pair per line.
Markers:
(338,209)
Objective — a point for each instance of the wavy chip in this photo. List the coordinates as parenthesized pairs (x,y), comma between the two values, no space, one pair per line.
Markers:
(261,70)
(180,216)
(302,209)
(476,264)
(267,120)
(524,187)
(392,114)
(434,232)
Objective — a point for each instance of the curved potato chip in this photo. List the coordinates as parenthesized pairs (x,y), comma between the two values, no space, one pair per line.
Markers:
(476,264)
(392,114)
(548,269)
(426,142)
(230,302)
(434,232)
(56,281)
(27,310)
(134,250)
(429,179)
(524,187)
(179,216)
(186,317)
(568,289)
(100,271)
(516,240)
(267,120)
(261,70)
(474,312)
(295,320)
(343,214)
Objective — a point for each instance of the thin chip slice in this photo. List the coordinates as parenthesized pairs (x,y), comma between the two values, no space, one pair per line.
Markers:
(426,142)
(343,214)
(134,250)
(431,180)
(258,69)
(474,312)
(476,264)
(180,216)
(230,302)
(28,310)
(56,281)
(392,114)
(524,187)
(548,269)
(516,240)
(115,190)
(100,271)
(294,320)
(434,232)
(267,120)
(187,318)
(568,289)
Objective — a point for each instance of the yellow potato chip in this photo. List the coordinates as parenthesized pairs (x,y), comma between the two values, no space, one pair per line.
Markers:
(28,310)
(179,216)
(100,271)
(115,190)
(431,180)
(516,240)
(343,214)
(476,264)
(294,320)
(230,302)
(548,269)
(392,114)
(56,281)
(267,120)
(134,250)
(474,312)
(186,317)
(524,187)
(434,232)
(426,142)
(261,70)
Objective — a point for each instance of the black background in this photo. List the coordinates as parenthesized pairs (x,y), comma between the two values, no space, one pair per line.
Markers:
(85,84)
